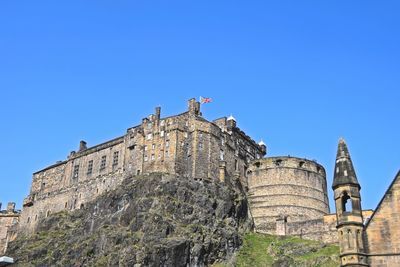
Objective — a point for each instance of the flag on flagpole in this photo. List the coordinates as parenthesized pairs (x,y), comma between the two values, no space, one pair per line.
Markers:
(204,100)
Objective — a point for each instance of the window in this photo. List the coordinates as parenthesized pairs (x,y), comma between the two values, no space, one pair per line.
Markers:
(167,143)
(115,158)
(167,154)
(162,133)
(221,154)
(346,203)
(90,167)
(149,136)
(153,146)
(201,146)
(236,165)
(200,135)
(152,157)
(76,172)
(145,158)
(186,135)
(103,163)
(145,148)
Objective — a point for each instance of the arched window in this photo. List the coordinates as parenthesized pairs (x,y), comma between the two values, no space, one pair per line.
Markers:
(346,203)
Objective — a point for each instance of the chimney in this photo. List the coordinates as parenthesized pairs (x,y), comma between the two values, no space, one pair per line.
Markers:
(10,207)
(194,107)
(82,145)
(158,113)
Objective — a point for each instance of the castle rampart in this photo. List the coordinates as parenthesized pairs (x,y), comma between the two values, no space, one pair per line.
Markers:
(286,190)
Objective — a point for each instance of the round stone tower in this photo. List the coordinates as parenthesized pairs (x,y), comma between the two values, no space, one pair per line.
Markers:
(284,190)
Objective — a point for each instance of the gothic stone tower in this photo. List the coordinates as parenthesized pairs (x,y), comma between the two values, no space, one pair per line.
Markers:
(348,210)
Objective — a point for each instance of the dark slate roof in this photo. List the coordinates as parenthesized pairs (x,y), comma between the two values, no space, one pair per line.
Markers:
(344,172)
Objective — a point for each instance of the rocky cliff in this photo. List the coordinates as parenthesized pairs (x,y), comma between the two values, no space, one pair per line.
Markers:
(152,220)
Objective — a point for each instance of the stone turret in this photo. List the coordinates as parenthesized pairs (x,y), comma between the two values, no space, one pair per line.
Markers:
(348,210)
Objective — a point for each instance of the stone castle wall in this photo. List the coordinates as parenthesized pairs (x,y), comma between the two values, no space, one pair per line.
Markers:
(8,219)
(186,145)
(286,188)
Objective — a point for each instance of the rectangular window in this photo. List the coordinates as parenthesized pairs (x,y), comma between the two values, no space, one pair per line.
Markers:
(200,146)
(167,154)
(103,163)
(149,136)
(145,148)
(115,158)
(76,172)
(162,133)
(167,143)
(145,158)
(236,165)
(152,157)
(90,167)
(153,146)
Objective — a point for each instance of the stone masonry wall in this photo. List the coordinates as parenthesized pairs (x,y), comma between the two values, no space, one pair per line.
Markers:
(8,218)
(287,188)
(383,230)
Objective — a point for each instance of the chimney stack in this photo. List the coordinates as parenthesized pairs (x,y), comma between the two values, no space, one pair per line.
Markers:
(10,207)
(82,145)
(158,113)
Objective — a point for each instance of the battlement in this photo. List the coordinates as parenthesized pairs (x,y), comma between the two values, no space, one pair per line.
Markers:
(288,162)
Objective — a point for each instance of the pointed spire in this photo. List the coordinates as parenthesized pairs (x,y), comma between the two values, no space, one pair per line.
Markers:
(344,170)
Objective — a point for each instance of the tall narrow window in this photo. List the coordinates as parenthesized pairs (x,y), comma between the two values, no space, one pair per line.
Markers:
(90,167)
(76,172)
(236,165)
(115,158)
(103,163)
(346,203)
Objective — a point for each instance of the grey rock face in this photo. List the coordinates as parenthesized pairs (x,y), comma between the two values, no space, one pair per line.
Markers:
(151,220)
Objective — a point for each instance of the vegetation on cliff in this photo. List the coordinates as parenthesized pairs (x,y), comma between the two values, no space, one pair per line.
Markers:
(261,250)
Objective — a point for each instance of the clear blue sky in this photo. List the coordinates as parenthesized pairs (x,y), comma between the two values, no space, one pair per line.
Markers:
(297,74)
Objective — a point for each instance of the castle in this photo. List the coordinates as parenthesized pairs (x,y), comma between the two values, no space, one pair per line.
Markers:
(287,195)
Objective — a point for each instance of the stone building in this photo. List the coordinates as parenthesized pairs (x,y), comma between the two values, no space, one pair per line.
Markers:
(373,241)
(8,220)
(186,145)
